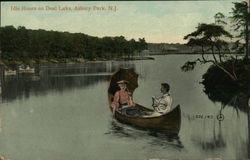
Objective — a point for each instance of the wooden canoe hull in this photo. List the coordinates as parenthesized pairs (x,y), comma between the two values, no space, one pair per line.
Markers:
(168,123)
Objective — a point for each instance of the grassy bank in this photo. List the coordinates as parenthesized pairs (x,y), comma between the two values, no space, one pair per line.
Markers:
(216,78)
(219,87)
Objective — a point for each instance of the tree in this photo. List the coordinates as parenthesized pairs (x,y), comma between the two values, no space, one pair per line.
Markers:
(26,43)
(241,22)
(142,44)
(210,37)
(9,45)
(219,19)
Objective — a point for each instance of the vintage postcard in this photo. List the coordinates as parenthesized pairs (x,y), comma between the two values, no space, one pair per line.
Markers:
(125,80)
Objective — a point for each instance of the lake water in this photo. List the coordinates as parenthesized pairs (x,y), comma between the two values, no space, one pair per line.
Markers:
(62,113)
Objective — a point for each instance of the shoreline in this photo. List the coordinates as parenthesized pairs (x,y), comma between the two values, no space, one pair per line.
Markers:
(188,53)
(18,62)
(30,61)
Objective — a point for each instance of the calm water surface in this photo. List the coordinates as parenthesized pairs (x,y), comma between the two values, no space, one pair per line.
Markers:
(62,113)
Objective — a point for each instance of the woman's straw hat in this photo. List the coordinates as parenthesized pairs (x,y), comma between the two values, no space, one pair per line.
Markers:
(122,81)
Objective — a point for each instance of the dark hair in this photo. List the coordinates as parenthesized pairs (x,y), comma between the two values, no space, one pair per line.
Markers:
(166,86)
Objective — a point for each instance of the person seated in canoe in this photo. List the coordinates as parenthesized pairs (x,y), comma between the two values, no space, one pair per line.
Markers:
(162,105)
(123,98)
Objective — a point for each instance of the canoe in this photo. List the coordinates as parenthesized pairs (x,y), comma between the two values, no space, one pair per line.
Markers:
(9,72)
(26,70)
(167,123)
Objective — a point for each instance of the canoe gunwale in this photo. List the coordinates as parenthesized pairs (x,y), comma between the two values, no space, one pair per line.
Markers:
(154,117)
(144,108)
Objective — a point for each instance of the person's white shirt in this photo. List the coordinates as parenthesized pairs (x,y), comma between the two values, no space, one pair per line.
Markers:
(163,104)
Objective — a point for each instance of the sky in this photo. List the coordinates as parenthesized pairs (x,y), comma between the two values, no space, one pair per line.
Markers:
(156,21)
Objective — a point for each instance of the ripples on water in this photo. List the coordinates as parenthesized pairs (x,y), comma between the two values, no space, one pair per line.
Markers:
(58,78)
(155,138)
(61,103)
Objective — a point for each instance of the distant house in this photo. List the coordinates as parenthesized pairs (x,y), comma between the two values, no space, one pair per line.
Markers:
(170,50)
(145,52)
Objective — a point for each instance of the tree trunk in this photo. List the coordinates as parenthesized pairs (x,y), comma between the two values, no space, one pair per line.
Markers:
(248,128)
(232,76)
(247,41)
(233,66)
(219,54)
(213,54)
(203,52)
(247,33)
(227,72)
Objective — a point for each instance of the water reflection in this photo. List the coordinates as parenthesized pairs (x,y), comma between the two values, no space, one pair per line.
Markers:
(70,120)
(56,77)
(229,97)
(153,138)
(23,88)
(215,142)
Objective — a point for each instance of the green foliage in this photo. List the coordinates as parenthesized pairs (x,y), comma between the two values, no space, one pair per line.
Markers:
(241,22)
(208,32)
(219,19)
(24,43)
(188,66)
(216,78)
(220,88)
(240,15)
(210,36)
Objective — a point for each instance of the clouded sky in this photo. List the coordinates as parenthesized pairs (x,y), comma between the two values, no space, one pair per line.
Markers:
(160,21)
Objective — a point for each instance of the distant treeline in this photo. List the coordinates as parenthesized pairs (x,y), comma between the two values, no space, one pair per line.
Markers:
(21,43)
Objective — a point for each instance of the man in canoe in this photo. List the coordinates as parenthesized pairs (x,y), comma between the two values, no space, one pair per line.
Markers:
(162,105)
(123,98)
